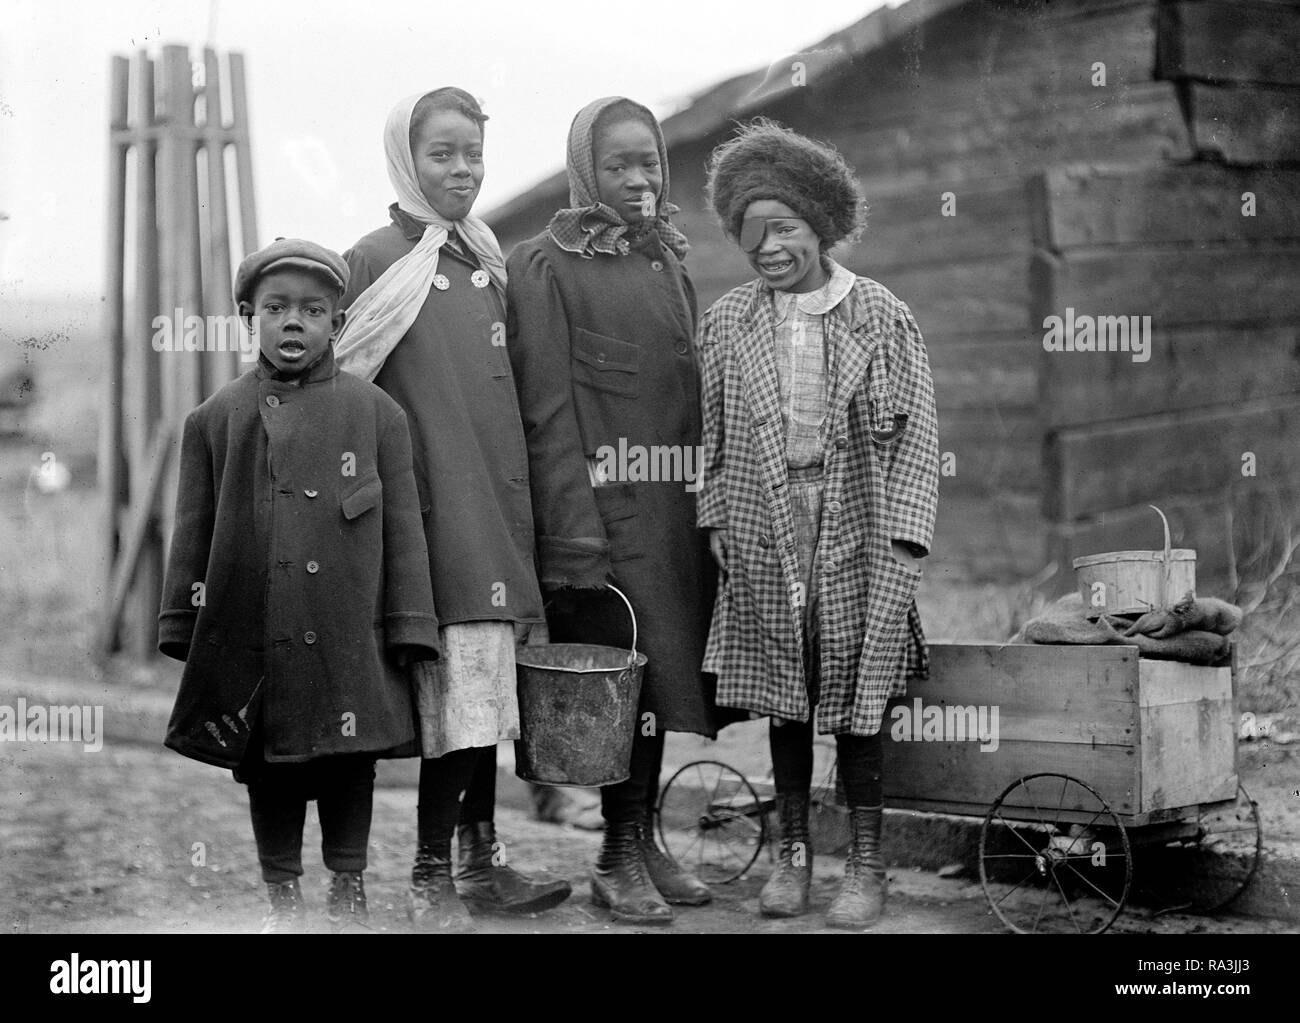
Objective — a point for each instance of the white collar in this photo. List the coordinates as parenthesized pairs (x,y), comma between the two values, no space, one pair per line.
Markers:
(820,301)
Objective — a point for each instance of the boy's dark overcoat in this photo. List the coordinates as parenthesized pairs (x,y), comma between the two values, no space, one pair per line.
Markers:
(298,575)
(602,351)
(876,491)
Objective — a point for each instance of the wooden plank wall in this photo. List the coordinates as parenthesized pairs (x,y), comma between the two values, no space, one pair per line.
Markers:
(971,103)
(978,101)
(1209,427)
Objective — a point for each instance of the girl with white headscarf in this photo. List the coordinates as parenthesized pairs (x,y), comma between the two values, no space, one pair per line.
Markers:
(426,322)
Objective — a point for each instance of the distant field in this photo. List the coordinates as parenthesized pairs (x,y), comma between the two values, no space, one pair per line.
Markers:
(60,340)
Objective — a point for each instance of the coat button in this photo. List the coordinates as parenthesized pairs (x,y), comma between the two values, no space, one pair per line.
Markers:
(682,348)
(657,266)
(841,442)
(273,401)
(600,357)
(310,493)
(834,507)
(313,567)
(764,540)
(309,638)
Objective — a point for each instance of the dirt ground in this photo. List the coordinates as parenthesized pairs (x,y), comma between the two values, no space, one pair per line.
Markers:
(132,839)
(137,839)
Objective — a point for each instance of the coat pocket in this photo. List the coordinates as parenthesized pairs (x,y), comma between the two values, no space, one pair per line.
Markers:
(363,496)
(616,503)
(893,588)
(605,363)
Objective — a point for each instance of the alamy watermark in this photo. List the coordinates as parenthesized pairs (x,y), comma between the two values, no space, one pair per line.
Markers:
(54,723)
(945,722)
(1083,333)
(181,333)
(77,976)
(657,463)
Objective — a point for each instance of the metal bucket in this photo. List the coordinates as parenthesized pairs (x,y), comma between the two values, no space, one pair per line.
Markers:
(577,711)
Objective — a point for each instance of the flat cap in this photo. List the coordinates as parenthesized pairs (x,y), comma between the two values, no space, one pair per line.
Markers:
(289,252)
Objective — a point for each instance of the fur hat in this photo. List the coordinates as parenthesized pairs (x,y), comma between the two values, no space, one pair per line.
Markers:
(766,160)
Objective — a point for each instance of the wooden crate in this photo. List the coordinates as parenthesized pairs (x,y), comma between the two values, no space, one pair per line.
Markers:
(1154,738)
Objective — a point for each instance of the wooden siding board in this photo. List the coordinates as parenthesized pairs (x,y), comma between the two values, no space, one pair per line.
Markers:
(1257,285)
(1193,205)
(1199,366)
(1113,465)
(1230,41)
(1246,124)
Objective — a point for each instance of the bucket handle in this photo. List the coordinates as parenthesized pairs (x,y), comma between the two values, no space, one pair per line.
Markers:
(631,657)
(1165,560)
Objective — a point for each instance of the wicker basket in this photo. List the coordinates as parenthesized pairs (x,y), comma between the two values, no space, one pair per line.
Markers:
(1133,582)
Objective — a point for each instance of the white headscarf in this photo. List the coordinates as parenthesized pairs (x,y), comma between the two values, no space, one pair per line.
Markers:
(383,313)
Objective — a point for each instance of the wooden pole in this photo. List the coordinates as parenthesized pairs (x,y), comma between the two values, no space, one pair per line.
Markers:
(218,301)
(138,530)
(110,434)
(183,226)
(145,364)
(181,296)
(149,392)
(243,155)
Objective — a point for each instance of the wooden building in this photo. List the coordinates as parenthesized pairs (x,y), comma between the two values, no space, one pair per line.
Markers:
(1026,159)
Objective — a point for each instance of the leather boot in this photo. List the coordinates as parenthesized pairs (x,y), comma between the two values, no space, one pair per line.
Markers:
(346,908)
(786,891)
(862,896)
(489,885)
(677,885)
(288,914)
(432,902)
(621,881)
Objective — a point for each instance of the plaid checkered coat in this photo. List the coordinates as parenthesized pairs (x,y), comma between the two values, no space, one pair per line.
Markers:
(878,488)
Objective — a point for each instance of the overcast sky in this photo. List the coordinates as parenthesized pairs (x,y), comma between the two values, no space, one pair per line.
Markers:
(322,77)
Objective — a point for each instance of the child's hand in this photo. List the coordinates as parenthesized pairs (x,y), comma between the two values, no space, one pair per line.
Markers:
(718,547)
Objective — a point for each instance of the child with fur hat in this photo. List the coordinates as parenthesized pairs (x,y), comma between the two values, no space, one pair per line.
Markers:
(819,489)
(297,588)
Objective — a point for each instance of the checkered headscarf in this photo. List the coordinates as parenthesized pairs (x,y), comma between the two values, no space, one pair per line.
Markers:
(589,226)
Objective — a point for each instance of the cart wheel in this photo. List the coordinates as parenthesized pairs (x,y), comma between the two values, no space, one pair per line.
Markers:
(1054,857)
(712,821)
(1232,834)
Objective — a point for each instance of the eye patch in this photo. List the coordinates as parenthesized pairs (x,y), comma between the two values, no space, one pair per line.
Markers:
(752,230)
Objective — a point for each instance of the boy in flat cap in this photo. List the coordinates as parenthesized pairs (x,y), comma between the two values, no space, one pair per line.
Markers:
(298,583)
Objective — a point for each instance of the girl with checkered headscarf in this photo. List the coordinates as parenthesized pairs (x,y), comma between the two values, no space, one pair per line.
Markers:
(819,489)
(602,315)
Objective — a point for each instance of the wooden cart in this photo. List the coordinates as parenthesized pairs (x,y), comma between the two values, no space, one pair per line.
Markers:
(1077,758)
(1095,752)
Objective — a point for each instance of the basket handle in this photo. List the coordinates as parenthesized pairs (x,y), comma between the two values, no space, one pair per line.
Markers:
(632,658)
(1164,562)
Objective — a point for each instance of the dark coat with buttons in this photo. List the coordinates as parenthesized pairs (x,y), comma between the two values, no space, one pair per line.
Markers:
(298,578)
(451,376)
(603,360)
(881,485)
